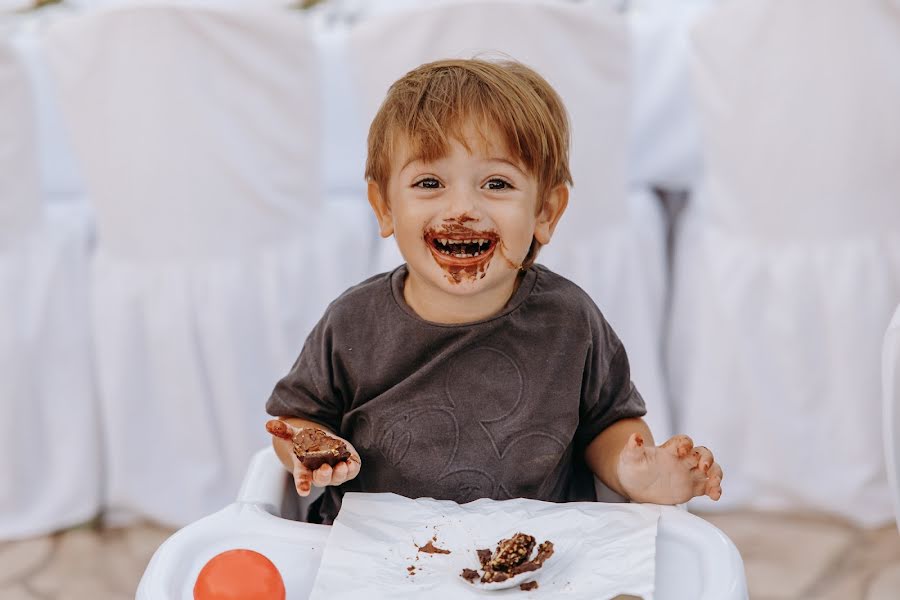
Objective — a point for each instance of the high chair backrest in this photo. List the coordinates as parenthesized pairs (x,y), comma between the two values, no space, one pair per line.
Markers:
(196,126)
(800,132)
(890,364)
(581,50)
(20,199)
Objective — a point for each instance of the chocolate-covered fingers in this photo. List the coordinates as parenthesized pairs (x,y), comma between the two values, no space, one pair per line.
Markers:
(302,478)
(280,429)
(704,458)
(679,445)
(714,483)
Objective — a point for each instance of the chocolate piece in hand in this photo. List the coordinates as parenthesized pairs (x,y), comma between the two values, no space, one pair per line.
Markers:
(312,446)
(315,448)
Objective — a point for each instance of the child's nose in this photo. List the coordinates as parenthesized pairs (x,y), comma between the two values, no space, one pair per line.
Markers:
(463,201)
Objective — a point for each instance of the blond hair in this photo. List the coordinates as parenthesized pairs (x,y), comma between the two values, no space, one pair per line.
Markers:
(438,100)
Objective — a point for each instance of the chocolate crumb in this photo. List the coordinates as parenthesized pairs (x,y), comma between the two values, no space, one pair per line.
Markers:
(469,575)
(528,586)
(430,548)
(484,557)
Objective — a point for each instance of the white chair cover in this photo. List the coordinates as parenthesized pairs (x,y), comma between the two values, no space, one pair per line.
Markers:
(890,378)
(60,180)
(788,266)
(582,50)
(11,6)
(664,146)
(198,130)
(49,457)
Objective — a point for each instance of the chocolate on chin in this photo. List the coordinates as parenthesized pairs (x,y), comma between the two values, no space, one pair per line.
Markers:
(315,448)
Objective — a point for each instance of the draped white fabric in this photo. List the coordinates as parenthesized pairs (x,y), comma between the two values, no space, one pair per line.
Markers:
(198,132)
(49,435)
(664,145)
(890,377)
(60,180)
(788,266)
(616,259)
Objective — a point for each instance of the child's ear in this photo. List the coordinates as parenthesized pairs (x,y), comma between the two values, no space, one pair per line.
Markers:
(554,206)
(382,210)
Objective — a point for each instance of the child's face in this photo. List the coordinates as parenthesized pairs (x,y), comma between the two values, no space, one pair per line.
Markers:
(464,223)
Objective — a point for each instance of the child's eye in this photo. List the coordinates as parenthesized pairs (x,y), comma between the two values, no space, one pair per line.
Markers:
(429,183)
(497,184)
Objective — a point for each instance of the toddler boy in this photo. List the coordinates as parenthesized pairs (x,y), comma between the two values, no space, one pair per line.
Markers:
(471,372)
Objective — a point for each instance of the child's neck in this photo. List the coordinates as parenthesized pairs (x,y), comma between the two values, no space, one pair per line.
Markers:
(435,305)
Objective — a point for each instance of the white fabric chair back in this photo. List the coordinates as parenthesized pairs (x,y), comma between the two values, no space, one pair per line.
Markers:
(788,262)
(49,481)
(60,179)
(20,201)
(800,132)
(170,146)
(890,373)
(665,141)
(198,129)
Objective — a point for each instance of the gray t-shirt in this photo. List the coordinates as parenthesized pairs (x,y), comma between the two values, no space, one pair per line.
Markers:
(500,408)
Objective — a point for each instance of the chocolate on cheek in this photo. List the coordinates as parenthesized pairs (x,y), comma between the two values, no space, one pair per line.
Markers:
(509,261)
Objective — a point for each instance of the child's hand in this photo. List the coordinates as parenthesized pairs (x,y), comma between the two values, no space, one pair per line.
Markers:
(669,474)
(326,474)
(305,478)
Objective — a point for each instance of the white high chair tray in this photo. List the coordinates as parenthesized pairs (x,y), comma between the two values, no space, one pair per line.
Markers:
(693,558)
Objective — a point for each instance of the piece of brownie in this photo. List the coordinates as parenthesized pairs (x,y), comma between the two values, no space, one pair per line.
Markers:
(510,559)
(512,552)
(315,448)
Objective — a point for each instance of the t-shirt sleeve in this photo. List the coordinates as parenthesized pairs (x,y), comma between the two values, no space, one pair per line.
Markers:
(308,390)
(608,393)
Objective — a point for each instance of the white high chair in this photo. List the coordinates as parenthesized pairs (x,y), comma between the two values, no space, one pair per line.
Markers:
(890,377)
(694,559)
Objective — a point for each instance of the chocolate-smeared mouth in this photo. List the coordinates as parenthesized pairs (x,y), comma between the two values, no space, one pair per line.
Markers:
(469,248)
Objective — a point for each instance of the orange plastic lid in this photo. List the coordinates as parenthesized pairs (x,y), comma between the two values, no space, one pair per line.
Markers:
(239,575)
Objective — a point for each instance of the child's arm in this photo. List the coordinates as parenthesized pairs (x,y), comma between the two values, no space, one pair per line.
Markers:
(624,458)
(324,475)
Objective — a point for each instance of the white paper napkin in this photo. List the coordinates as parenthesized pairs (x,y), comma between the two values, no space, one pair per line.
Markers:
(601,549)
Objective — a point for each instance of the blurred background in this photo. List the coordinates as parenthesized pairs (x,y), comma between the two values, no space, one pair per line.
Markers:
(182,194)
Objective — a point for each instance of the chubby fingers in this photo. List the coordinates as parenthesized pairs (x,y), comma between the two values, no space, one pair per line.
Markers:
(338,474)
(714,483)
(704,458)
(707,465)
(280,429)
(679,445)
(303,477)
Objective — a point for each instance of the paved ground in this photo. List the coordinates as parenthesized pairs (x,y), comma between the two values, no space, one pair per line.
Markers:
(787,557)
